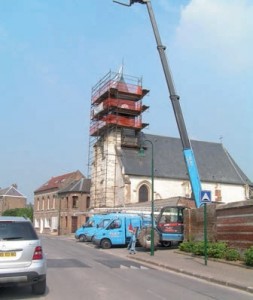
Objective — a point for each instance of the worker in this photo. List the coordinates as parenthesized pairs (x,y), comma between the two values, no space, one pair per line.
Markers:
(132,243)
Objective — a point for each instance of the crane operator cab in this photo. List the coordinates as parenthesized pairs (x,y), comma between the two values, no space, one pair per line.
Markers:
(170,225)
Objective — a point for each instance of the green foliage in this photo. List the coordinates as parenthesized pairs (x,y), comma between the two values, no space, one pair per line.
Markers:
(199,248)
(20,212)
(248,256)
(217,250)
(186,246)
(232,254)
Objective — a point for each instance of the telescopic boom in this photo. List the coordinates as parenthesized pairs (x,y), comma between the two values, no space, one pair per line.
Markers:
(187,149)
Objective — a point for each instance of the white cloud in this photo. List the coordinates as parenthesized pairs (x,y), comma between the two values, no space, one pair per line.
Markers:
(221,30)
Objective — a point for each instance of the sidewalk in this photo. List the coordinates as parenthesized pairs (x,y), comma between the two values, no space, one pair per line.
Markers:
(234,275)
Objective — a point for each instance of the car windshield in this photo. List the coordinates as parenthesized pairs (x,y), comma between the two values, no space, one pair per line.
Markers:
(89,223)
(103,223)
(171,214)
(17,231)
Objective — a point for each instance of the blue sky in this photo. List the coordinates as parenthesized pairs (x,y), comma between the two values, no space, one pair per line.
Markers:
(53,51)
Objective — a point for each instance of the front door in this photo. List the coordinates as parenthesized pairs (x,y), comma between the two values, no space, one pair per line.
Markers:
(73,224)
(117,232)
(41,225)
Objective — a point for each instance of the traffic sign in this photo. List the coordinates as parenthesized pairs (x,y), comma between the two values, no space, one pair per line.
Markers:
(205,197)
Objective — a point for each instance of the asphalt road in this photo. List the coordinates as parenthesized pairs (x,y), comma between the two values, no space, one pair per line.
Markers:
(82,271)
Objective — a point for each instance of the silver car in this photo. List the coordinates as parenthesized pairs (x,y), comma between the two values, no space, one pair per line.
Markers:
(22,260)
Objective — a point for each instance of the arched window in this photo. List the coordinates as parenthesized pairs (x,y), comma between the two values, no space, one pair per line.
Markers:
(143,193)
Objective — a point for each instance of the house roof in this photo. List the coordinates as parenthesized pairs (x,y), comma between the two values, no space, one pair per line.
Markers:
(77,186)
(10,191)
(214,162)
(55,182)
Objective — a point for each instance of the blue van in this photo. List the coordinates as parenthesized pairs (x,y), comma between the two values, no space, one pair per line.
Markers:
(117,230)
(87,230)
(89,234)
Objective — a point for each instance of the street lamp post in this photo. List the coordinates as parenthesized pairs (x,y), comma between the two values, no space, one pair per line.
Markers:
(152,196)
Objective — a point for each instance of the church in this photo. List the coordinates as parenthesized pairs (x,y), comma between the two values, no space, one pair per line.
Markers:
(126,164)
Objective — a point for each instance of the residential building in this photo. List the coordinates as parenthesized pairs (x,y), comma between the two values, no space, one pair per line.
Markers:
(47,202)
(11,198)
(74,204)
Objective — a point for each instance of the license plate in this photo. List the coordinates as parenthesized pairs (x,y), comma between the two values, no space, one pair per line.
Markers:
(7,254)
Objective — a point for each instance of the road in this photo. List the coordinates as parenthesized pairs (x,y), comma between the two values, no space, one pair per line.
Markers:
(81,271)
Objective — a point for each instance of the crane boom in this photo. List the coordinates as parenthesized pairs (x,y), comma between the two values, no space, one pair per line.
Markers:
(187,149)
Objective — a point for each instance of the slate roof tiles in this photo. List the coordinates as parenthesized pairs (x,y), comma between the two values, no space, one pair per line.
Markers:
(79,186)
(213,161)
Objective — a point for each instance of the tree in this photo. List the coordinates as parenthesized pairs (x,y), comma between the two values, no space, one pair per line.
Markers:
(26,212)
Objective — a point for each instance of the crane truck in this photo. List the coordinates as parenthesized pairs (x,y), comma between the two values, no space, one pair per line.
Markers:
(173,230)
(187,149)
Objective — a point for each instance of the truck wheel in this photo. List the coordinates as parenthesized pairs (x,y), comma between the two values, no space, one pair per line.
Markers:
(166,244)
(144,238)
(82,238)
(106,244)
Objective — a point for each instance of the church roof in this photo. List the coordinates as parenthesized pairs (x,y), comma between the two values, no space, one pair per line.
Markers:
(214,162)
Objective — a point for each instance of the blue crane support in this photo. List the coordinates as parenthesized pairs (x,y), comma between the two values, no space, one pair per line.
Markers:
(187,149)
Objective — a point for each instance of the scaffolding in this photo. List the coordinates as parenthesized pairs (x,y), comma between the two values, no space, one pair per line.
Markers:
(115,121)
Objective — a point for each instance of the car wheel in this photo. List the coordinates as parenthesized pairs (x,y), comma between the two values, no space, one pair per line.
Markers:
(166,244)
(39,288)
(82,238)
(106,244)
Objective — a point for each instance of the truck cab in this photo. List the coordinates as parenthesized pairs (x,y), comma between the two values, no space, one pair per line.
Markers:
(170,225)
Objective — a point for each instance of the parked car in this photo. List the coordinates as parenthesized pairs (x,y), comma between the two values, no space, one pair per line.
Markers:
(22,261)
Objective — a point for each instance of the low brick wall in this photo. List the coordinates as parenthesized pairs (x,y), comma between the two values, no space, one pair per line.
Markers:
(235,224)
(194,223)
(231,223)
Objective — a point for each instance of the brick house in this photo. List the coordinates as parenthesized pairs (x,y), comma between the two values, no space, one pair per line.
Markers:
(11,198)
(74,204)
(47,202)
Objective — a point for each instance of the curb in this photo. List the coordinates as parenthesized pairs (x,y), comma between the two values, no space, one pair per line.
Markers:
(234,264)
(203,277)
